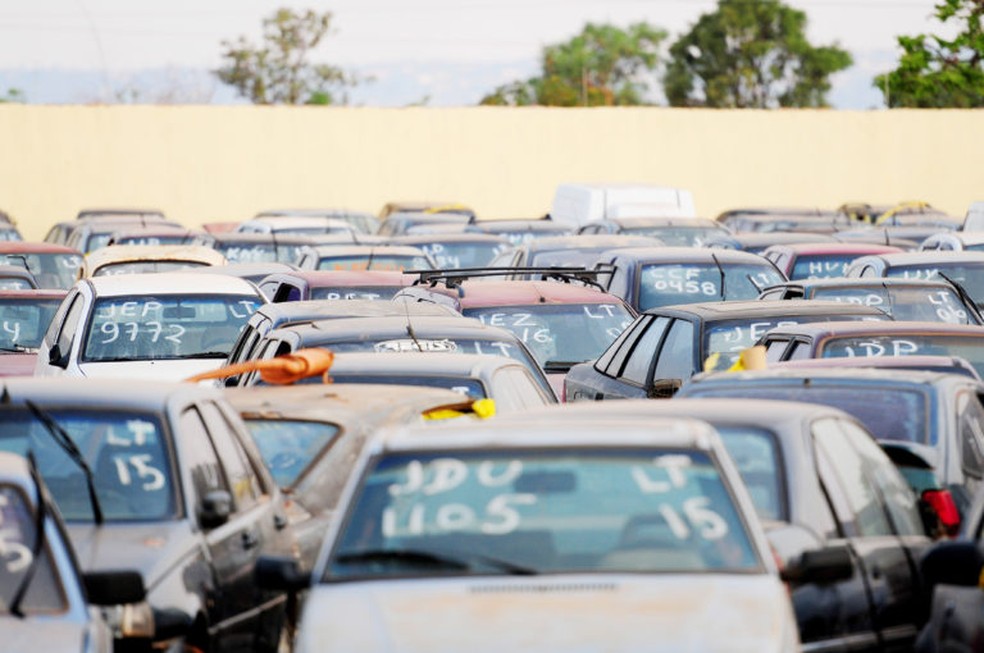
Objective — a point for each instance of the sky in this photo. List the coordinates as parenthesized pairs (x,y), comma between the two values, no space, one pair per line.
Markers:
(433,52)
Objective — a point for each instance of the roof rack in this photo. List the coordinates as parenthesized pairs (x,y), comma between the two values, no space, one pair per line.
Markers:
(453,278)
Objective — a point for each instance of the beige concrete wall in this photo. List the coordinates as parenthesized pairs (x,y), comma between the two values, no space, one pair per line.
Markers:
(203,164)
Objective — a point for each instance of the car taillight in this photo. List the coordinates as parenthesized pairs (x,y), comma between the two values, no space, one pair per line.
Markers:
(941,501)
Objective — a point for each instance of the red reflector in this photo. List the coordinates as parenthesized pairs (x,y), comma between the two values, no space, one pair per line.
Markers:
(942,503)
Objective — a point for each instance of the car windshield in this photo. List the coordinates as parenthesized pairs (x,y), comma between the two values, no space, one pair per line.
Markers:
(144,267)
(355,292)
(251,252)
(970,276)
(374,262)
(56,270)
(528,511)
(129,458)
(559,333)
(666,284)
(149,327)
(24,321)
(681,236)
(756,455)
(176,239)
(821,266)
(725,340)
(567,258)
(15,283)
(472,388)
(920,304)
(452,255)
(968,347)
(289,446)
(889,413)
(18,531)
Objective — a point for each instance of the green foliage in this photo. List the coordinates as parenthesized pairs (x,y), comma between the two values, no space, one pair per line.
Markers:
(13,95)
(602,66)
(751,54)
(278,71)
(936,72)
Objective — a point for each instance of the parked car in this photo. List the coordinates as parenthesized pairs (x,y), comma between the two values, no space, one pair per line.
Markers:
(154,236)
(756,242)
(675,232)
(252,272)
(805,219)
(302,285)
(16,277)
(46,602)
(165,479)
(361,221)
(165,326)
(566,251)
(89,234)
(819,261)
(255,247)
(403,221)
(24,317)
(972,241)
(364,257)
(925,420)
(579,204)
(518,232)
(142,259)
(53,266)
(648,277)
(562,324)
(903,299)
(852,339)
(308,436)
(425,207)
(905,238)
(271,316)
(822,488)
(455,251)
(666,346)
(964,268)
(552,535)
(297,226)
(400,334)
(944,364)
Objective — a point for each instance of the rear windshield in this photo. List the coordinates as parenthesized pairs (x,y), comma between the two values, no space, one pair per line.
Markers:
(361,292)
(968,347)
(472,388)
(821,266)
(455,255)
(756,456)
(56,270)
(23,322)
(375,262)
(288,447)
(919,304)
(18,534)
(970,276)
(146,267)
(666,284)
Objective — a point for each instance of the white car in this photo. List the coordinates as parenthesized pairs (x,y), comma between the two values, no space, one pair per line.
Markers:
(561,535)
(164,326)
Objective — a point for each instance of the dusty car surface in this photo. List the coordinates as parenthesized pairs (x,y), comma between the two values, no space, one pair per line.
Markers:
(165,326)
(16,277)
(566,251)
(964,267)
(455,251)
(302,285)
(642,538)
(255,247)
(163,479)
(796,460)
(518,232)
(675,232)
(364,257)
(309,435)
(46,602)
(757,242)
(24,317)
(361,221)
(141,259)
(972,241)
(666,346)
(53,266)
(822,260)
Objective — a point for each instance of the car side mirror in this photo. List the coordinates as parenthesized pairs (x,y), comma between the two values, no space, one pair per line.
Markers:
(56,358)
(664,388)
(114,587)
(827,565)
(280,574)
(951,563)
(215,509)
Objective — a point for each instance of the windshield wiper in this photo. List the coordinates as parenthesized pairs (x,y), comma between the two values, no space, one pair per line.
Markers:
(205,354)
(433,558)
(559,366)
(18,349)
(40,517)
(64,440)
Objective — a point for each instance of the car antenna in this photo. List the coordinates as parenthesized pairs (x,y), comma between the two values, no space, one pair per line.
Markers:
(410,331)
(721,271)
(40,517)
(64,440)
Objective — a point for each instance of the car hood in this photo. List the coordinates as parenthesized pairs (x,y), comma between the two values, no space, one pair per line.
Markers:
(32,634)
(152,549)
(159,370)
(665,612)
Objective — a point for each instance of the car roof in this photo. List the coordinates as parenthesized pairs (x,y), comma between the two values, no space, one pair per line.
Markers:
(33,293)
(818,330)
(929,363)
(341,251)
(804,376)
(863,282)
(685,255)
(677,433)
(112,254)
(419,364)
(967,237)
(321,278)
(169,283)
(479,294)
(931,257)
(110,394)
(749,239)
(314,309)
(345,403)
(27,247)
(710,311)
(389,327)
(836,247)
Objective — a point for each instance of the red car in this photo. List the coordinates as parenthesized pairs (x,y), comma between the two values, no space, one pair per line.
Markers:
(820,260)
(53,266)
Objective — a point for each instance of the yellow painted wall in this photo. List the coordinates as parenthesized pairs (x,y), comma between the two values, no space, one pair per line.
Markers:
(202,164)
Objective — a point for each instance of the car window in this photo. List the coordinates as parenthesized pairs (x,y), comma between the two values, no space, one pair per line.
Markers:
(676,355)
(198,456)
(574,510)
(971,422)
(18,534)
(289,446)
(885,476)
(800,350)
(849,471)
(239,474)
(643,352)
(756,455)
(965,346)
(24,321)
(621,346)
(70,325)
(775,348)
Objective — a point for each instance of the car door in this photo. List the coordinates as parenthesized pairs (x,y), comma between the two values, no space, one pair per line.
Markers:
(676,360)
(850,474)
(591,381)
(636,371)
(63,337)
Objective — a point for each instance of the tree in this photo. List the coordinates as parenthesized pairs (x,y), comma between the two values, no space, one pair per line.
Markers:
(751,54)
(602,66)
(936,72)
(13,95)
(278,72)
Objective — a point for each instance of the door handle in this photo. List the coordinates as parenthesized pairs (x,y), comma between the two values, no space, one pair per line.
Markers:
(249,539)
